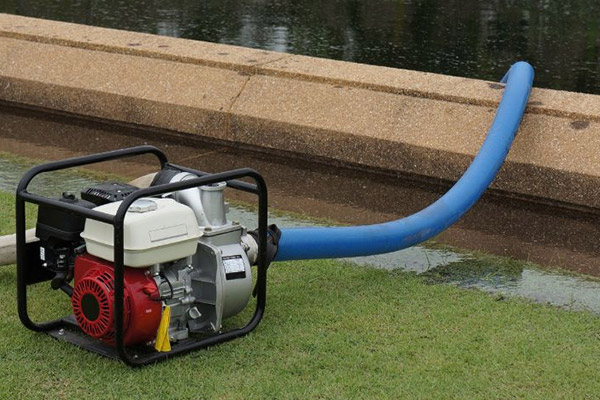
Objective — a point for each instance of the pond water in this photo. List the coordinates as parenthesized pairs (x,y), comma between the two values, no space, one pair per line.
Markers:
(471,38)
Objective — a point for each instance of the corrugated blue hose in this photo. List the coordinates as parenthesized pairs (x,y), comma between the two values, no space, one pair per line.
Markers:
(354,241)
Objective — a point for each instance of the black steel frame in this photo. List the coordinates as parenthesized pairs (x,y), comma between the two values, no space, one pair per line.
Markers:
(231,177)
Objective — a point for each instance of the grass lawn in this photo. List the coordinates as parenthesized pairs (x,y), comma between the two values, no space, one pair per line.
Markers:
(331,330)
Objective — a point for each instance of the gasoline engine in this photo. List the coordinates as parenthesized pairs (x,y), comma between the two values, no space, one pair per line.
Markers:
(186,266)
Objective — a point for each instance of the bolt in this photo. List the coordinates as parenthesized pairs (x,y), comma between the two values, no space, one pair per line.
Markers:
(61,332)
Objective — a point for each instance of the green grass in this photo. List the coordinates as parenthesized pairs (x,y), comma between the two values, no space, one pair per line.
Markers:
(331,330)
(7,214)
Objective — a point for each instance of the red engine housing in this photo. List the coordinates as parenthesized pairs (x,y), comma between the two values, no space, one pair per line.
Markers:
(93,304)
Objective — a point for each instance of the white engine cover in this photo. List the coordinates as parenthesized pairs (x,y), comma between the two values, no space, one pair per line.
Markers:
(156,230)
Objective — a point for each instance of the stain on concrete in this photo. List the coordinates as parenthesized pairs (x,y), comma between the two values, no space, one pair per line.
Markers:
(133,44)
(579,124)
(163,46)
(536,103)
(223,54)
(496,86)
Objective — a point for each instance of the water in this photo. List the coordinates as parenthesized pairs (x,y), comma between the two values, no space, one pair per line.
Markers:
(48,184)
(438,265)
(554,288)
(472,38)
(470,272)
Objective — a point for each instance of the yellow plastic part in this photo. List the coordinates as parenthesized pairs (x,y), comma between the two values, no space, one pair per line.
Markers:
(162,336)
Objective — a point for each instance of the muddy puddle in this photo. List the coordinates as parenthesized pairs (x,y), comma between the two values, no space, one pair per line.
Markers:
(546,235)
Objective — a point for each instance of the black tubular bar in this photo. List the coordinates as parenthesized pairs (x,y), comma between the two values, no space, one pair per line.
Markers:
(97,215)
(118,224)
(239,185)
(22,196)
(91,159)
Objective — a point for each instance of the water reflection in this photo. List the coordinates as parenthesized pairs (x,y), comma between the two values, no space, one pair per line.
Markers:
(474,38)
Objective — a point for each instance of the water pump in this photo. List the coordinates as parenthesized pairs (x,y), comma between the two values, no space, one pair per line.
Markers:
(157,269)
(180,252)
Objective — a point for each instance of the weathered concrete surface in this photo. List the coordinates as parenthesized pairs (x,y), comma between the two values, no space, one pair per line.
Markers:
(547,235)
(372,117)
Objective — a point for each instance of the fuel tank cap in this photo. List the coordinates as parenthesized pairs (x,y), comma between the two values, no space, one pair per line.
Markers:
(142,206)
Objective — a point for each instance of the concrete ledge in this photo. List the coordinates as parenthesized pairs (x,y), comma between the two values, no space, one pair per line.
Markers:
(373,117)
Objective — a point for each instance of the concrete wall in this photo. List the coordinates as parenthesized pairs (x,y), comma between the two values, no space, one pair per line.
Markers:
(373,117)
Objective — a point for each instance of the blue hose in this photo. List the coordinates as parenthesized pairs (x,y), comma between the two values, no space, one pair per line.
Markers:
(336,242)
